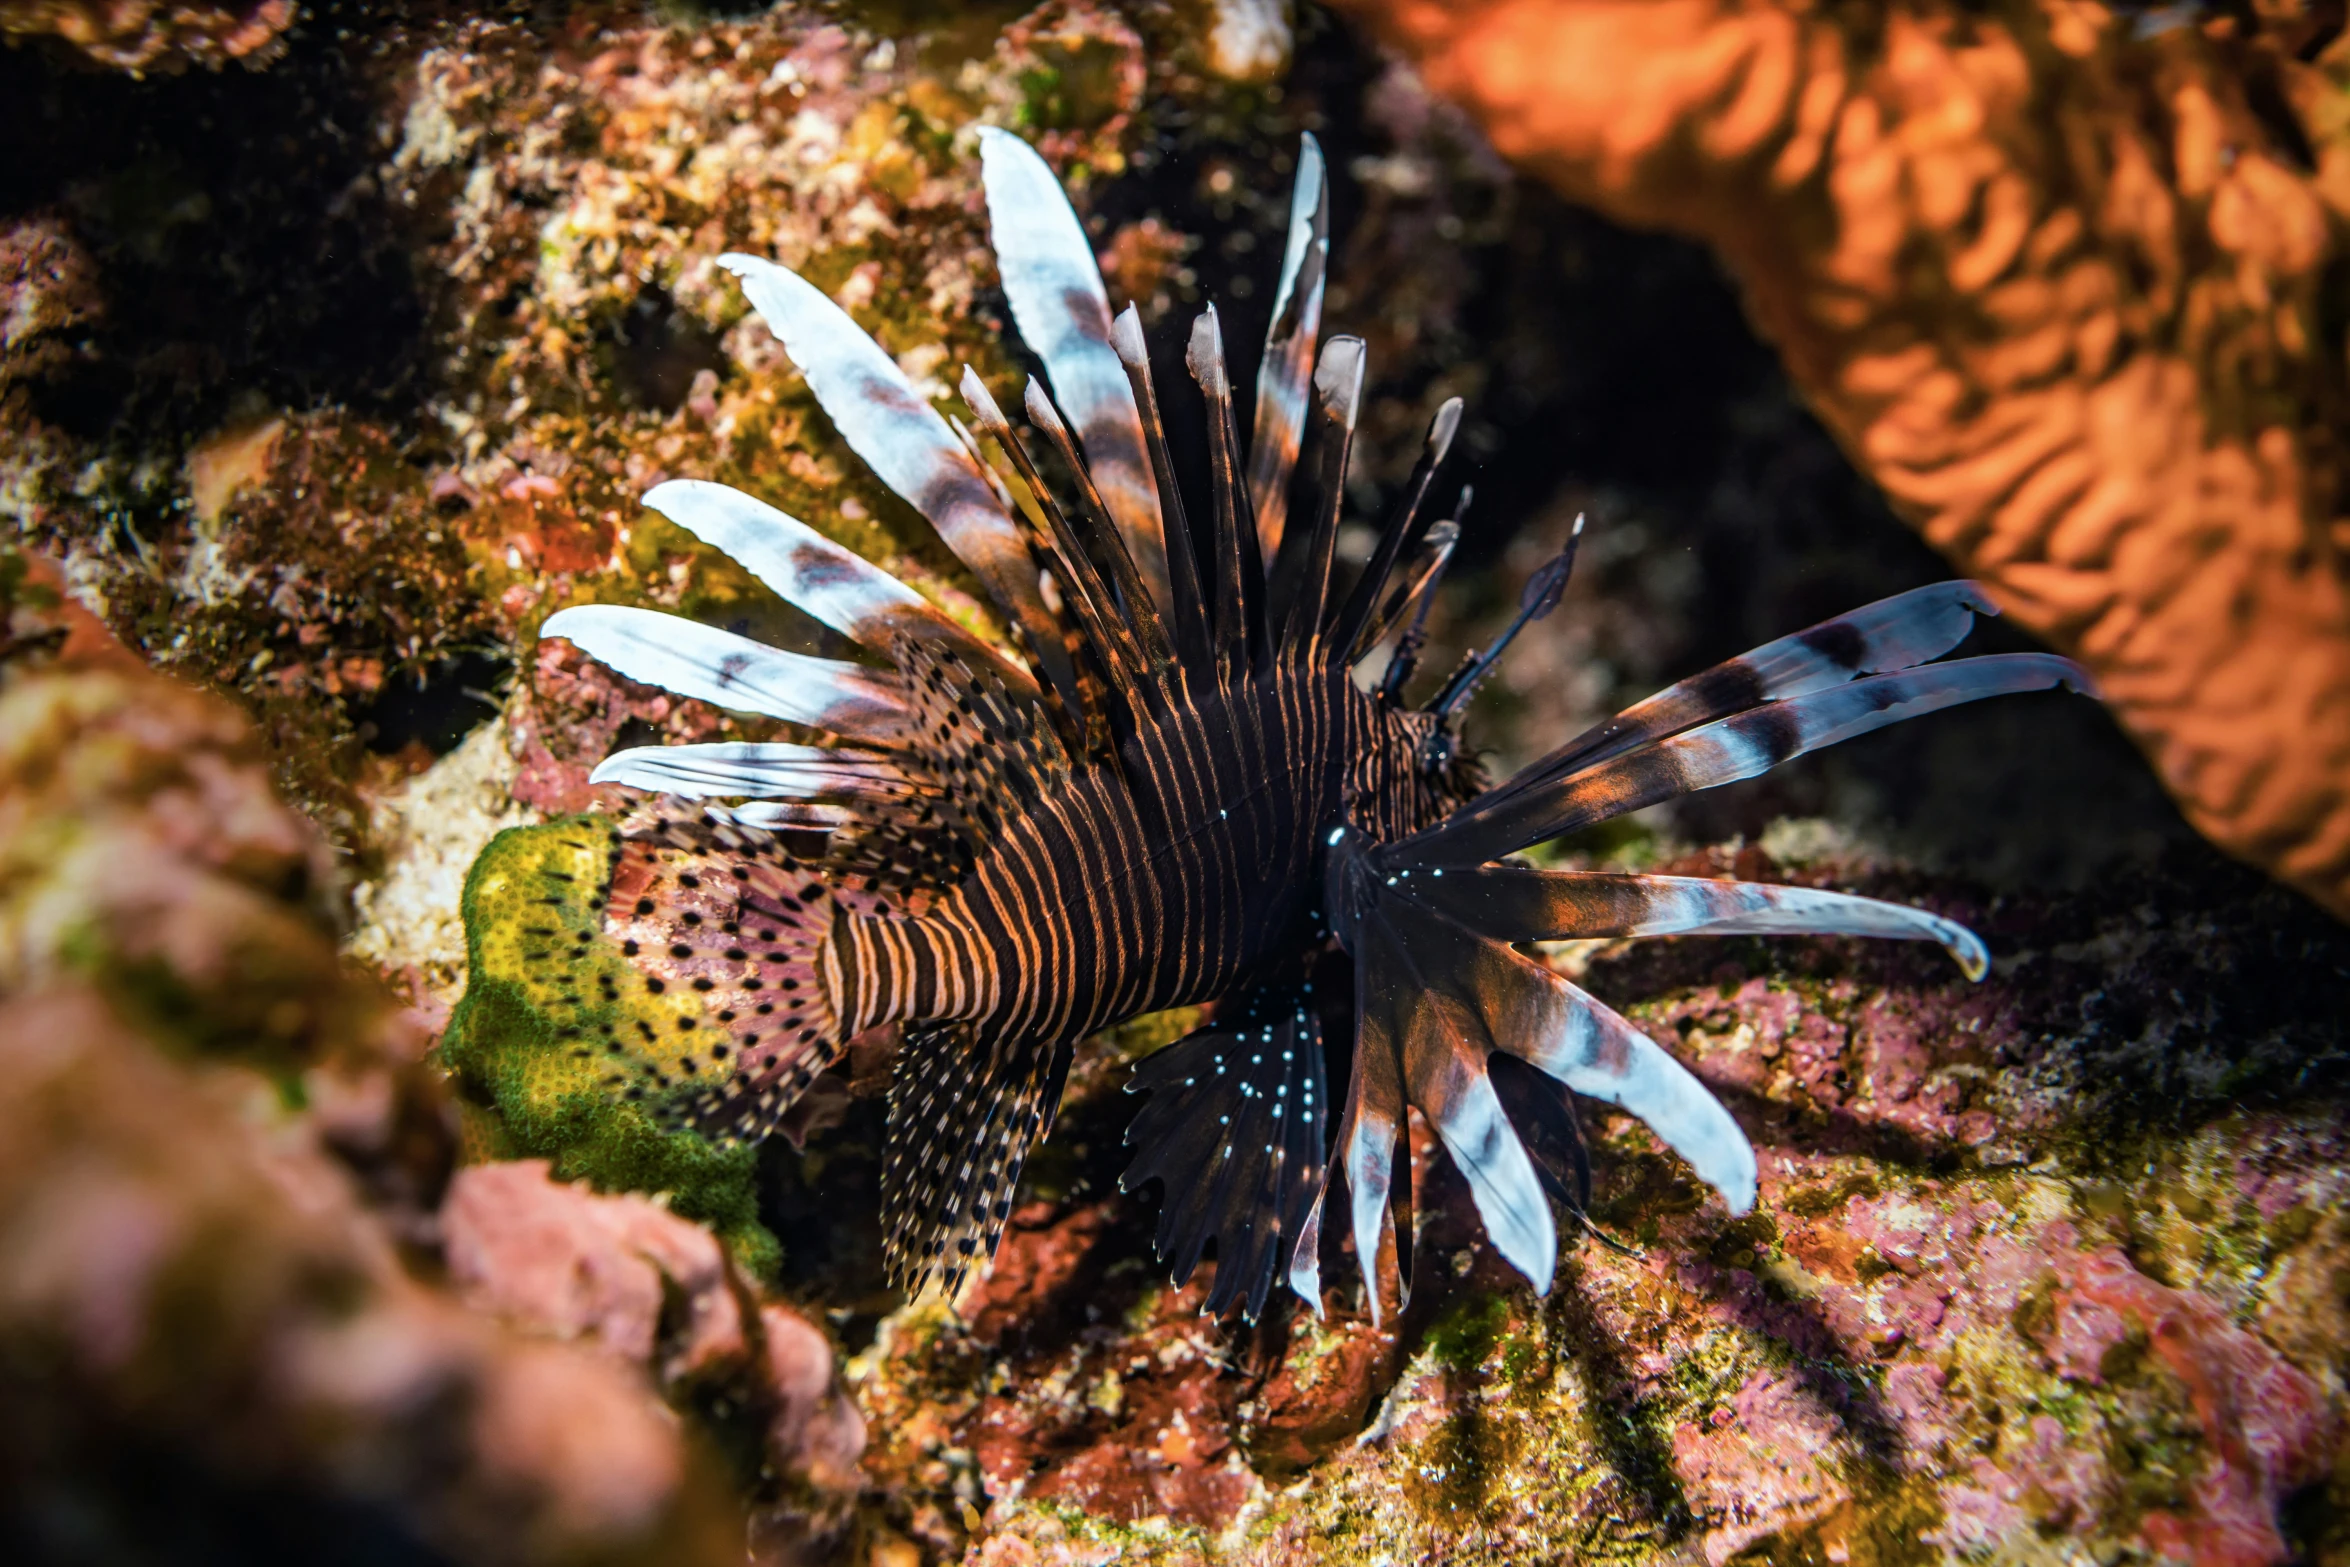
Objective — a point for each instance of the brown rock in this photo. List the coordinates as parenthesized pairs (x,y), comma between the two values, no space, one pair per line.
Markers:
(234,1314)
(560,1260)
(1321,1392)
(652,1291)
(199,1306)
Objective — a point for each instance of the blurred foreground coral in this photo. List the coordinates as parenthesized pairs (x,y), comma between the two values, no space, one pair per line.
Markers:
(2064,278)
(139,35)
(222,1174)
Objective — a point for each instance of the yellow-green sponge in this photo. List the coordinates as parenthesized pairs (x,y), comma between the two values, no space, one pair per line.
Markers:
(555,1027)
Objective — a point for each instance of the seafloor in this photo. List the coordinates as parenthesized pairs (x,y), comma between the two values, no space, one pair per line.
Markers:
(326,376)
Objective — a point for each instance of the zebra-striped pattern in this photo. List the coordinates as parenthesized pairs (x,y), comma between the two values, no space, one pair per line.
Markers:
(1207,827)
(1182,797)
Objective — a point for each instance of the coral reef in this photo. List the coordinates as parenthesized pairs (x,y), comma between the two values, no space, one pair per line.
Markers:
(2022,1284)
(327,407)
(142,35)
(2057,274)
(539,1088)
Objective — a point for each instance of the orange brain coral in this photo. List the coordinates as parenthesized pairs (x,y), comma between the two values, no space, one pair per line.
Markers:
(2057,275)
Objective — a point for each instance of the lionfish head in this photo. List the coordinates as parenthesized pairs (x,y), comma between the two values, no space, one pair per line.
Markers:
(1132,612)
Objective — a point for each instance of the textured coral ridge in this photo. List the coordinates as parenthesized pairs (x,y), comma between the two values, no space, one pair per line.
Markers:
(2021,1288)
(225,1187)
(2054,272)
(136,35)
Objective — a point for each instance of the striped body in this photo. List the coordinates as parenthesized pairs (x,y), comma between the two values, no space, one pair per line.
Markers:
(1211,826)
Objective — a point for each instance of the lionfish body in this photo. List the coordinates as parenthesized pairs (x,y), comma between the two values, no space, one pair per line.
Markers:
(1178,794)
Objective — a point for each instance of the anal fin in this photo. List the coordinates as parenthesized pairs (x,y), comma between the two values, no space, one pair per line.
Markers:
(1233,1131)
(961,1123)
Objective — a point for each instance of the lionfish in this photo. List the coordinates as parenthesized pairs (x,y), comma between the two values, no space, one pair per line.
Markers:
(1180,792)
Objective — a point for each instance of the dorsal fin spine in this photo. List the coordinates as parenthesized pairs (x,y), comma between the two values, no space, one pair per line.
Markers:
(1240,569)
(1193,649)
(1303,577)
(1401,535)
(1141,610)
(1113,645)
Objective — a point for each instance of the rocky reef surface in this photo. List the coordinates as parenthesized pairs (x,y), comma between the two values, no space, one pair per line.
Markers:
(323,383)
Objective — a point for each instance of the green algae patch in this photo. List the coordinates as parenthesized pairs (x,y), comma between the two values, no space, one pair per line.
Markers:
(546,1041)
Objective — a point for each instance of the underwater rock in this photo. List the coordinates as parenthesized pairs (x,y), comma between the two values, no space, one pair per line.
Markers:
(2056,277)
(652,1291)
(216,1147)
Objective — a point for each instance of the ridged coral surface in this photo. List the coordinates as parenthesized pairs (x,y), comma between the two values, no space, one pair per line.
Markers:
(2058,275)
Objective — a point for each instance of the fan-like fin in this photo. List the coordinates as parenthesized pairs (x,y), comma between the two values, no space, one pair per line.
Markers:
(1438,999)
(1063,312)
(1513,816)
(1289,348)
(756,771)
(1399,538)
(961,1123)
(836,585)
(1594,1051)
(907,444)
(1187,595)
(1445,1077)
(719,667)
(724,915)
(1364,1154)
(1512,903)
(1238,569)
(1242,1098)
(1892,634)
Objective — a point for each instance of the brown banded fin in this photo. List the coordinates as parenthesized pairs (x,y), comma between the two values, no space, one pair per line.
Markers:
(906,442)
(961,1123)
(725,916)
(1288,360)
(728,671)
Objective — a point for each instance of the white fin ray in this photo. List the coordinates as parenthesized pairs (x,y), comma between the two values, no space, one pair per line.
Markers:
(904,440)
(755,770)
(728,671)
(1288,365)
(1062,309)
